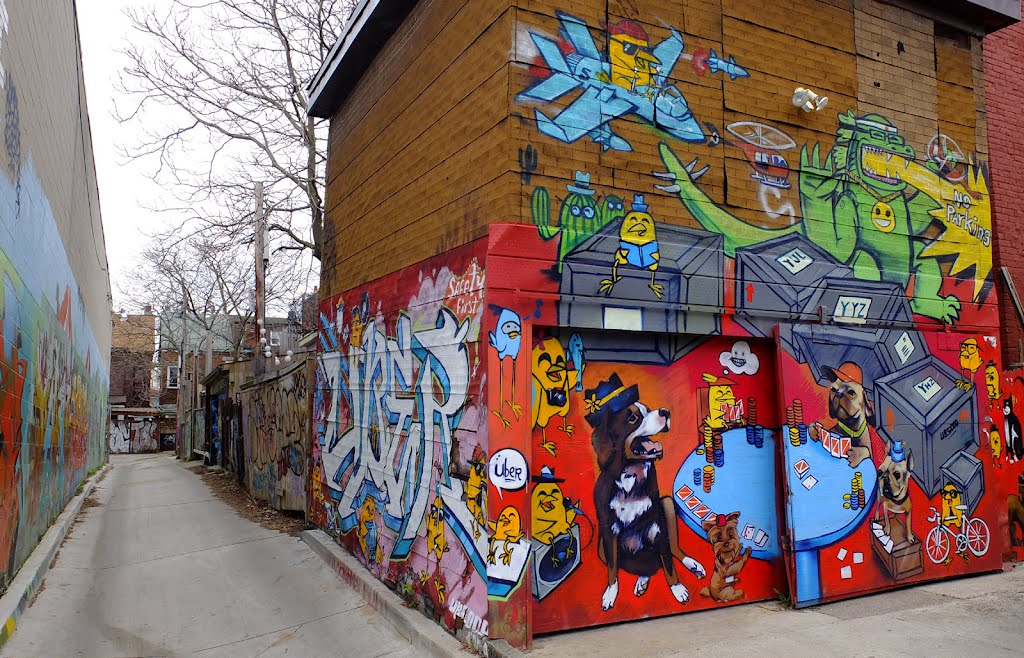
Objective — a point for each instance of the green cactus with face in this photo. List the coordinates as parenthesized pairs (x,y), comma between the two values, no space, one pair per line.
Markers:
(581,214)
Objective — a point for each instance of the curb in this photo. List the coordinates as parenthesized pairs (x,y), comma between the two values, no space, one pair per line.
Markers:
(26,583)
(423,633)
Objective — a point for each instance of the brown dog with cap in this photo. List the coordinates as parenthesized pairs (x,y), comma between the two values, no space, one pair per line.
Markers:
(850,408)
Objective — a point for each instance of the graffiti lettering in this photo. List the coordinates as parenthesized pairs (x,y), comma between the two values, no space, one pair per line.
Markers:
(406,393)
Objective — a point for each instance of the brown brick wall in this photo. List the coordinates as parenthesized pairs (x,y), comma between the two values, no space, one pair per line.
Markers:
(1004,96)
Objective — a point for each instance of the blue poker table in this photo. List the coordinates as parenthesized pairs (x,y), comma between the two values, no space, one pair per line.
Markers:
(816,516)
(746,483)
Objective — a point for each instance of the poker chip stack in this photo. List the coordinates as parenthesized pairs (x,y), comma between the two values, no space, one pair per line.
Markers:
(758,437)
(719,452)
(798,420)
(696,477)
(857,499)
(709,447)
(794,431)
(709,478)
(751,419)
(846,501)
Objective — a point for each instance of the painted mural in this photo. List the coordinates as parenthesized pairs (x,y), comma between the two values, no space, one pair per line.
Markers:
(276,431)
(399,452)
(54,382)
(133,434)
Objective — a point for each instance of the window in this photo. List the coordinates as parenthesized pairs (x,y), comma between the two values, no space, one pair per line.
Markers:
(172,376)
(275,339)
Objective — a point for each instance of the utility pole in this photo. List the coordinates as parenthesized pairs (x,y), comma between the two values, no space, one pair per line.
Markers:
(260,240)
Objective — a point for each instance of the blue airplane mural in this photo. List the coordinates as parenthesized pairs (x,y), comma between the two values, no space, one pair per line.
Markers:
(631,79)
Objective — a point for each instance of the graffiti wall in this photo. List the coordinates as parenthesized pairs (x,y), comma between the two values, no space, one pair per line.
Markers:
(54,370)
(276,429)
(727,351)
(133,434)
(399,451)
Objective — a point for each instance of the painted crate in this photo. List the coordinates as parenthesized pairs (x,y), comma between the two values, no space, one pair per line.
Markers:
(965,472)
(878,351)
(781,280)
(922,406)
(690,269)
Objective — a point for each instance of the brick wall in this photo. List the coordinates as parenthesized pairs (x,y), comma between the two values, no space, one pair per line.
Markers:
(1004,97)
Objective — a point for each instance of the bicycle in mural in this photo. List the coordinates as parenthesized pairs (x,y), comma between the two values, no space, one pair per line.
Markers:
(973,536)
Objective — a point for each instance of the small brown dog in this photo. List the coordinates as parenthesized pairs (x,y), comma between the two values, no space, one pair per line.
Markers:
(851,410)
(729,558)
(894,486)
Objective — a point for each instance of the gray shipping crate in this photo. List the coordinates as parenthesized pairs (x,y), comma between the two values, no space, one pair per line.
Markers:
(964,470)
(781,280)
(878,351)
(639,347)
(930,414)
(691,268)
(853,302)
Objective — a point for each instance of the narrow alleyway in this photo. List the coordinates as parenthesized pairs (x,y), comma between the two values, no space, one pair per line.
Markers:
(160,567)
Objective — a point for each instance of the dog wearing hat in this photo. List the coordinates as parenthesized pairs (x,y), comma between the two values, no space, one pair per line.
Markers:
(894,487)
(636,525)
(850,408)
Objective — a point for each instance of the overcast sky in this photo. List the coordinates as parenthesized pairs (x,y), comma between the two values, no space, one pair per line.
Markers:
(125,191)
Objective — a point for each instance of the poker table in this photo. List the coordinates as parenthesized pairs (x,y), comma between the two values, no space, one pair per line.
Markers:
(746,483)
(816,516)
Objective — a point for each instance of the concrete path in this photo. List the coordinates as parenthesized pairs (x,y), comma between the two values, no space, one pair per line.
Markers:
(162,568)
(979,616)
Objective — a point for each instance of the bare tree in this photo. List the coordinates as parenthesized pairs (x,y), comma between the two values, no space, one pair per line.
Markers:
(234,74)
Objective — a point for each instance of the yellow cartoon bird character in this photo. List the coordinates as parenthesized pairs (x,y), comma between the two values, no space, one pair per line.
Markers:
(366,531)
(552,381)
(638,246)
(476,491)
(509,529)
(992,380)
(953,512)
(970,361)
(436,542)
(721,399)
(553,514)
(633,65)
(995,442)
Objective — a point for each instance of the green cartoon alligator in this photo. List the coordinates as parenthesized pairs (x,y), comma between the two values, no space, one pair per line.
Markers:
(580,217)
(855,205)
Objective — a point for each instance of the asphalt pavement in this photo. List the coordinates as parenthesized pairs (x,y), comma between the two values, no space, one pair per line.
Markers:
(160,567)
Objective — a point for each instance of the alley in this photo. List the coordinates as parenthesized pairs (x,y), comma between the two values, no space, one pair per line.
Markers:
(159,567)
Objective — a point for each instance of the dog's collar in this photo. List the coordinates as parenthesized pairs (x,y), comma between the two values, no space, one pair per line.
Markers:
(899,501)
(853,434)
(594,404)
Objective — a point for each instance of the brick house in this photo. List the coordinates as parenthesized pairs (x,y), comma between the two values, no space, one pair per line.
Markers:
(620,300)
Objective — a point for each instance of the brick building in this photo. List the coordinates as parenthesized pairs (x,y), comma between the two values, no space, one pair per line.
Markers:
(615,306)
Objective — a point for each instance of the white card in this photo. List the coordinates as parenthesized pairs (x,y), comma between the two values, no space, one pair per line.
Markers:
(809,482)
(858,558)
(841,554)
(846,572)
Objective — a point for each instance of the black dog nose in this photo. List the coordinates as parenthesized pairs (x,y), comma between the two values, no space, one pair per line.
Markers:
(664,413)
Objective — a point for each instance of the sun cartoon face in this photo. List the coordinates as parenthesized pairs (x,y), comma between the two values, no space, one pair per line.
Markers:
(637,228)
(882,217)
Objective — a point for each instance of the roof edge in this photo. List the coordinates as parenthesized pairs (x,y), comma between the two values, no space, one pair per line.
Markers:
(371,25)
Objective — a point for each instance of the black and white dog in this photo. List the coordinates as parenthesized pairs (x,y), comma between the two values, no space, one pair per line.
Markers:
(636,525)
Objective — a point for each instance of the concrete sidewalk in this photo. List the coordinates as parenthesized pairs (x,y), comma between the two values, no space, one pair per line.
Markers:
(162,568)
(979,616)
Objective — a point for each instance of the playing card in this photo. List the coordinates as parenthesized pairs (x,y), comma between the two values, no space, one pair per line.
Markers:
(801,467)
(761,538)
(858,558)
(809,482)
(701,511)
(684,492)
(748,531)
(692,503)
(846,572)
(841,554)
